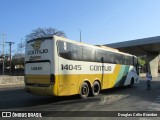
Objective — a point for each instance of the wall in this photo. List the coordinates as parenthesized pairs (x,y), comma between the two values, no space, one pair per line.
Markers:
(11,81)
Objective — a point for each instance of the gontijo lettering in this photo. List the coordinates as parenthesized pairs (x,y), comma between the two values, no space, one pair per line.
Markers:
(36,46)
(37,52)
(100,68)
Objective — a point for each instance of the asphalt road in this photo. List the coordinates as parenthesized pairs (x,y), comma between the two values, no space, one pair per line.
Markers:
(118,99)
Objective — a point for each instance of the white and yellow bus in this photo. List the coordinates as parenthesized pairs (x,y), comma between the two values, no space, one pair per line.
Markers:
(61,67)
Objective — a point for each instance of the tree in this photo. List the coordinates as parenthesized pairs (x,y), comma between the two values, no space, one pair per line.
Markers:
(142,60)
(21,46)
(44,32)
(18,56)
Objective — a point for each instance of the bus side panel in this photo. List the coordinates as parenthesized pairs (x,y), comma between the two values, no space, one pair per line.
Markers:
(55,86)
(117,78)
(132,73)
(68,84)
(104,80)
(113,76)
(129,75)
(122,75)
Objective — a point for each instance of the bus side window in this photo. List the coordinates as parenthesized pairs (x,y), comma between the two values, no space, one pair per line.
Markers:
(99,55)
(64,49)
(88,54)
(129,60)
(135,61)
(76,52)
(106,55)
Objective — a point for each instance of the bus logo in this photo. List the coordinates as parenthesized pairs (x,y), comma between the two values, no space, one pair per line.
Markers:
(37,44)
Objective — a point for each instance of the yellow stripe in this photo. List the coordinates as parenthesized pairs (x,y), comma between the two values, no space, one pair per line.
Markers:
(70,84)
(113,77)
(40,79)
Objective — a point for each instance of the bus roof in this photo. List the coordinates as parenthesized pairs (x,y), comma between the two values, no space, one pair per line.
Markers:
(81,43)
(108,48)
(94,46)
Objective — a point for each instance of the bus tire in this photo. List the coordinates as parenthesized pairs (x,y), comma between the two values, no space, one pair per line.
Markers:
(132,83)
(84,90)
(95,88)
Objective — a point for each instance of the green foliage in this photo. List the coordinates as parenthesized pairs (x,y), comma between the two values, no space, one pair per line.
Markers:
(142,61)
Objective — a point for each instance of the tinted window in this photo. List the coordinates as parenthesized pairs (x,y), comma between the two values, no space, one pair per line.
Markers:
(76,52)
(111,57)
(69,50)
(128,60)
(83,53)
(64,49)
(88,54)
(118,58)
(106,55)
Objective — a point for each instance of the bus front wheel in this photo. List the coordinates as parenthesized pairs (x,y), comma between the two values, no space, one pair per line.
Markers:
(96,88)
(84,91)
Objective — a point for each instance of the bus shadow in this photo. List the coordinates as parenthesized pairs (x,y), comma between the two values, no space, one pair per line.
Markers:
(139,91)
(19,99)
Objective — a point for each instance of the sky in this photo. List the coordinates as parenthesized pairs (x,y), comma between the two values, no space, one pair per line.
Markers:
(100,21)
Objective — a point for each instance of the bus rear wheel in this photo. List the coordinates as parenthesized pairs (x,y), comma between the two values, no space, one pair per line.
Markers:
(84,91)
(95,88)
